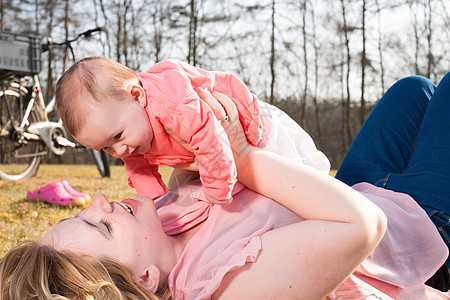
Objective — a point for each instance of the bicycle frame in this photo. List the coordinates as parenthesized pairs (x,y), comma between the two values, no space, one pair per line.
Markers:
(24,130)
(53,134)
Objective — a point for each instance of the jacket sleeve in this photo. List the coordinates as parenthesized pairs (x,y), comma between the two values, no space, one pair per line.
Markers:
(195,123)
(192,120)
(144,177)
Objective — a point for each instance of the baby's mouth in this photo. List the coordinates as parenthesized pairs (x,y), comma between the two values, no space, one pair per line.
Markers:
(135,151)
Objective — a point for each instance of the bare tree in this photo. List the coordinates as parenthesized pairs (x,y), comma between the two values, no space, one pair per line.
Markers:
(66,30)
(380,46)
(98,23)
(2,14)
(362,112)
(157,18)
(36,17)
(126,10)
(272,55)
(303,7)
(108,23)
(316,79)
(118,33)
(415,24)
(347,131)
(50,14)
(429,31)
(192,39)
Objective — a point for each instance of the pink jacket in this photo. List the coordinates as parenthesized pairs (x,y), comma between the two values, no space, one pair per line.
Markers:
(173,103)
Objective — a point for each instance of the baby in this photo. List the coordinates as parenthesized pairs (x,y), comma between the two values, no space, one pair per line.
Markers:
(105,105)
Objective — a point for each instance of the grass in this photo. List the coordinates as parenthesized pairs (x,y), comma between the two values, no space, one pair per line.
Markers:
(21,219)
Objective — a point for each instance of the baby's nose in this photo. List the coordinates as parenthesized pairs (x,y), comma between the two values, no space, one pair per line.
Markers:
(120,150)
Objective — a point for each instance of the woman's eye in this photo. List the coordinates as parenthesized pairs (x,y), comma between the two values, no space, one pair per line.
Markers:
(107,224)
(117,136)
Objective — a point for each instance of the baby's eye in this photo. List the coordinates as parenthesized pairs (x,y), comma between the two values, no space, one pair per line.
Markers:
(117,136)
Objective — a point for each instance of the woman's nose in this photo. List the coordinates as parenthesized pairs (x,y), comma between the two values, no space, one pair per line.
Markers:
(101,202)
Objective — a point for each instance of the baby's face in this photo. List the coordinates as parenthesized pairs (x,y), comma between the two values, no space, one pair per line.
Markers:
(120,127)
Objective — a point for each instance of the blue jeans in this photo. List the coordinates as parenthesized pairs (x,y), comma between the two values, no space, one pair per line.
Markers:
(404,146)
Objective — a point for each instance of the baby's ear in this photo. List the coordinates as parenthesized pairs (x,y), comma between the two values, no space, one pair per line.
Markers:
(150,278)
(137,92)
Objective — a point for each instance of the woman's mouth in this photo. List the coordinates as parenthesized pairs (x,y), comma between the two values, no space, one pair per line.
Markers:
(127,207)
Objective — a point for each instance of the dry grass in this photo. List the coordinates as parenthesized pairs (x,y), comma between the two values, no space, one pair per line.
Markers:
(21,219)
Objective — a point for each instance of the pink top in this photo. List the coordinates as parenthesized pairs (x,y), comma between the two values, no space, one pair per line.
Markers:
(410,252)
(173,103)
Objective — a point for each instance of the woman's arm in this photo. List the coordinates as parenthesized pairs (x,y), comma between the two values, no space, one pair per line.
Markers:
(309,259)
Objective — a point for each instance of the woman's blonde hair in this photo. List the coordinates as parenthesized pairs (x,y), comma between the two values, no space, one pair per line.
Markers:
(34,271)
(95,79)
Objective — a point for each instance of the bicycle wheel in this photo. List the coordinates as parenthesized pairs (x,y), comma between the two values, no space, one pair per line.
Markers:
(19,156)
(102,162)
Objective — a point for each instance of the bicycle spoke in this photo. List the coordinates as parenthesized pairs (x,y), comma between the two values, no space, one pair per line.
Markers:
(19,157)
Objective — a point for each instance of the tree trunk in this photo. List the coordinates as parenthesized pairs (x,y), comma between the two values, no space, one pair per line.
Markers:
(66,29)
(157,37)
(50,12)
(342,100)
(105,16)
(119,31)
(2,15)
(380,48)
(346,114)
(305,63)
(428,18)
(192,42)
(362,112)
(416,37)
(127,5)
(37,19)
(272,56)
(316,81)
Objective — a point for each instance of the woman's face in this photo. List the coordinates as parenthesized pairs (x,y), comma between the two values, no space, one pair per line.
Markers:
(129,231)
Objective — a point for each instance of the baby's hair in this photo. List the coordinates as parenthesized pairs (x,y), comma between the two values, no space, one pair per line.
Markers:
(96,79)
(34,271)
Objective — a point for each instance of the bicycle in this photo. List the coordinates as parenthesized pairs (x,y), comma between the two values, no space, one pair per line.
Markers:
(26,133)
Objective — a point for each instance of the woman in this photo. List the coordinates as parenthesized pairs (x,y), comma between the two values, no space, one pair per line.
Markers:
(132,233)
(342,227)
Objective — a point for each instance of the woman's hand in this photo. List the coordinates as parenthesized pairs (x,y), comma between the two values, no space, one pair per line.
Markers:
(227,114)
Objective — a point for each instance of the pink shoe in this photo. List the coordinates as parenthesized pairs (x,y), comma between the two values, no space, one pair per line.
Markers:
(56,193)
(74,192)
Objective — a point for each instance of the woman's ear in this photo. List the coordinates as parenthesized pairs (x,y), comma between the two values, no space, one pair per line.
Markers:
(137,92)
(150,278)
